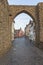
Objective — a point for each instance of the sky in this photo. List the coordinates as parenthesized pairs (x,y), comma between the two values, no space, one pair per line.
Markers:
(24,2)
(22,19)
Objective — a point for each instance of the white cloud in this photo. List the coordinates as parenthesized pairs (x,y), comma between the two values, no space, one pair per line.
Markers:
(21,20)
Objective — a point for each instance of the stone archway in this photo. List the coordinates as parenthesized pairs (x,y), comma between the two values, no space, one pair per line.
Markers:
(25,12)
(30,10)
(8,13)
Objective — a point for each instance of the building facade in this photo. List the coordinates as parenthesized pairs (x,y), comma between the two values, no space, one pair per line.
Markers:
(18,33)
(27,30)
(30,30)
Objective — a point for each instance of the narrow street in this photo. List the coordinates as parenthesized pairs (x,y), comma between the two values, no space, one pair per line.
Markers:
(23,52)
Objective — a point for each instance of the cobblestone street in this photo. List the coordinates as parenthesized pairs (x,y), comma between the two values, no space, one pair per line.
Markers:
(23,52)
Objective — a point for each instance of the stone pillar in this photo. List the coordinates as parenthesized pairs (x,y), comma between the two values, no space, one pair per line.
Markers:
(4,28)
(10,27)
(37,26)
(41,23)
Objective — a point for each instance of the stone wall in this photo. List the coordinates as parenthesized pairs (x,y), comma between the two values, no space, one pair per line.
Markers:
(40,5)
(5,41)
(41,20)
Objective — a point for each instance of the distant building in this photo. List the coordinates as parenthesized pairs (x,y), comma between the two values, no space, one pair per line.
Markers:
(18,33)
(27,30)
(21,33)
(30,30)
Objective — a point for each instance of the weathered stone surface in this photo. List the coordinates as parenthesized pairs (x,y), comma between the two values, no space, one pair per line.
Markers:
(5,41)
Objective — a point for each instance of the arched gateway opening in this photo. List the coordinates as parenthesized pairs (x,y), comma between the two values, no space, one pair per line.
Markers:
(28,29)
(13,16)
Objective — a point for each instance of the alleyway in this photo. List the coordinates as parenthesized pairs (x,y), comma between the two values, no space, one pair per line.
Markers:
(23,52)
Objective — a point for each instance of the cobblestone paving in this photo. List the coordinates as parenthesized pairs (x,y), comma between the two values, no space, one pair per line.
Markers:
(23,52)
